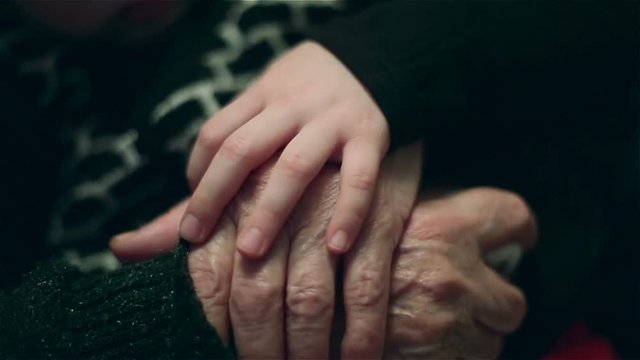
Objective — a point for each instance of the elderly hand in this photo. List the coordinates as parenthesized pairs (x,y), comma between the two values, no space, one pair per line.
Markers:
(290,294)
(446,302)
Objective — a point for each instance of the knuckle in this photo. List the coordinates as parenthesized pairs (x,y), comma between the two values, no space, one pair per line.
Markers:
(438,280)
(445,288)
(343,112)
(236,147)
(430,226)
(287,100)
(362,180)
(211,283)
(253,303)
(208,139)
(295,98)
(365,291)
(307,303)
(297,166)
(361,341)
(369,122)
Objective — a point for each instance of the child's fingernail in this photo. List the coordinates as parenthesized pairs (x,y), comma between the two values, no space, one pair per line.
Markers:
(339,241)
(251,242)
(190,228)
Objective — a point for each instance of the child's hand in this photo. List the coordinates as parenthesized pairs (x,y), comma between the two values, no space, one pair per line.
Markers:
(310,104)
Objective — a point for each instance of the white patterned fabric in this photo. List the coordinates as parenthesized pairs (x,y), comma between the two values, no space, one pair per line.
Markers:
(117,173)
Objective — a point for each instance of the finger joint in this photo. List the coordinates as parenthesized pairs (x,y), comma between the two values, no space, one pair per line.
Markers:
(236,147)
(362,180)
(307,303)
(297,166)
(253,303)
(366,291)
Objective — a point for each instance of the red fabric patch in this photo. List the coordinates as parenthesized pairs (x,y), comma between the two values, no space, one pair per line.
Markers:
(580,343)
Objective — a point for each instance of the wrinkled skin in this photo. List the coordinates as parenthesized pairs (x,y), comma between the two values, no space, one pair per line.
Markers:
(250,294)
(444,301)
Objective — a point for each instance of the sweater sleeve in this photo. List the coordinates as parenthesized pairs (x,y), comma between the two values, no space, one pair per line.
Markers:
(423,60)
(142,311)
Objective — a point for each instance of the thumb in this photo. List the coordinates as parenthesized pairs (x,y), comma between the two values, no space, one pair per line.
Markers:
(156,238)
(500,217)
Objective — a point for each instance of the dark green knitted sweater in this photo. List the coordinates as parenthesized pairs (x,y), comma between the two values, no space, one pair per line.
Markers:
(142,311)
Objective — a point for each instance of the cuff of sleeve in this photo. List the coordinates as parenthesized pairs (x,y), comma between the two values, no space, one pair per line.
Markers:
(369,67)
(146,310)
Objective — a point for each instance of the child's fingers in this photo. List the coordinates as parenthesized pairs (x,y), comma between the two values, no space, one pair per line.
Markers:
(298,165)
(215,130)
(241,152)
(358,175)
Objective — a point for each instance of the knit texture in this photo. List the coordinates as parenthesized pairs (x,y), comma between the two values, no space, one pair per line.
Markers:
(142,311)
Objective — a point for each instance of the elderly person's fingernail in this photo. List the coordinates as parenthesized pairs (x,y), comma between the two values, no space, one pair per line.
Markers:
(338,241)
(122,238)
(251,242)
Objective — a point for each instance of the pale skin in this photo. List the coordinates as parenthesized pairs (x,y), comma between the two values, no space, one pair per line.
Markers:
(284,305)
(311,106)
(307,103)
